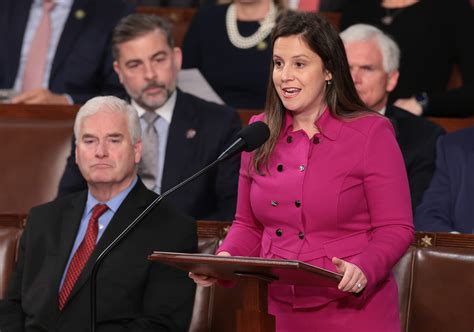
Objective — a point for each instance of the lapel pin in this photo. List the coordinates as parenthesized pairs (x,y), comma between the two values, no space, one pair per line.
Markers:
(79,14)
(190,133)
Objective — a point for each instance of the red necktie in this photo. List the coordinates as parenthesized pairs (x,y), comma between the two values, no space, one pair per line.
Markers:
(82,254)
(36,59)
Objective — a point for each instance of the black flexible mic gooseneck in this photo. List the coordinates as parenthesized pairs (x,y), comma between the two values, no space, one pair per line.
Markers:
(248,139)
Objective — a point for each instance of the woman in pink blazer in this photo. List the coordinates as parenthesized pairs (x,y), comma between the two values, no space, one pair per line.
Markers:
(328,188)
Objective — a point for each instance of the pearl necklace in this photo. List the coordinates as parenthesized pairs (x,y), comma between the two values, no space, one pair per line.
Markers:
(266,26)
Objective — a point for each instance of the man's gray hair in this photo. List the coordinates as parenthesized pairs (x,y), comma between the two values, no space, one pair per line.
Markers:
(112,104)
(364,32)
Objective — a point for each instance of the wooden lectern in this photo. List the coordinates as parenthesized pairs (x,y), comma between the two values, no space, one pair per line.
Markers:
(254,274)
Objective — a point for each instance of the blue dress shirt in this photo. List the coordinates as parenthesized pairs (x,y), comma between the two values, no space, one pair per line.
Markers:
(104,220)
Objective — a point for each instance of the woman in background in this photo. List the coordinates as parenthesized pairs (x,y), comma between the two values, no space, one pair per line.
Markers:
(328,188)
(230,45)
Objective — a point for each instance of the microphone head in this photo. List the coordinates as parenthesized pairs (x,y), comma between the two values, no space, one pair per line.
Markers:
(254,135)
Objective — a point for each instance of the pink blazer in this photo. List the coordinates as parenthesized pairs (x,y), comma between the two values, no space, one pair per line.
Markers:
(343,193)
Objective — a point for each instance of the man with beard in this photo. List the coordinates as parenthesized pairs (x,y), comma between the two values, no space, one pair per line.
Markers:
(181,133)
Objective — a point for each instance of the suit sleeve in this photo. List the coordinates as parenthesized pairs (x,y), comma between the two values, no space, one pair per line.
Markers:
(388,200)
(226,182)
(434,212)
(421,171)
(168,295)
(170,292)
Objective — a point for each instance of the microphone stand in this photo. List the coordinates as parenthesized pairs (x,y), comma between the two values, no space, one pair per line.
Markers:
(136,221)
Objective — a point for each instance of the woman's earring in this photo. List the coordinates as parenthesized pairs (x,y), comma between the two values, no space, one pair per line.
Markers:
(328,82)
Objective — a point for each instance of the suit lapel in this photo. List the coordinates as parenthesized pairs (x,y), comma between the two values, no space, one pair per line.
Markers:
(181,144)
(72,28)
(16,27)
(131,207)
(71,219)
(392,116)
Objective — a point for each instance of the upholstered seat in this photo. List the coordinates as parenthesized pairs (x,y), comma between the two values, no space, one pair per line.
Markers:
(9,237)
(34,152)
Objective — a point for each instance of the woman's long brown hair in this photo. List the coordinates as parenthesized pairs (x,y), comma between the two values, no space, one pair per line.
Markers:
(341,95)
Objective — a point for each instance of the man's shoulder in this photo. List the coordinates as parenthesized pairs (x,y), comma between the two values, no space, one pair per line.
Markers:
(408,122)
(166,218)
(171,215)
(142,196)
(61,202)
(209,106)
(54,209)
(463,138)
(204,108)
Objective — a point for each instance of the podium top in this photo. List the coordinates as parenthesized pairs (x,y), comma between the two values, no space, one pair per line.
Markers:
(288,272)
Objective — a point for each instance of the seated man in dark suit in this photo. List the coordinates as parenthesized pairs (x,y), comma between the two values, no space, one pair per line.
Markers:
(185,134)
(373,59)
(59,53)
(447,204)
(50,287)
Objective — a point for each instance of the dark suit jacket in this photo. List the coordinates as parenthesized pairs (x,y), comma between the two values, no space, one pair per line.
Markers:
(417,139)
(133,294)
(213,196)
(82,65)
(448,204)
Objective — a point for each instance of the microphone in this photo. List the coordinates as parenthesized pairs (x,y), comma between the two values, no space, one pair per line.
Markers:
(249,138)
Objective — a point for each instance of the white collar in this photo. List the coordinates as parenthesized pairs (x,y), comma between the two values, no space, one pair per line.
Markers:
(165,111)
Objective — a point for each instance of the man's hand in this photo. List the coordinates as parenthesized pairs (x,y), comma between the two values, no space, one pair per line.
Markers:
(410,105)
(353,279)
(40,96)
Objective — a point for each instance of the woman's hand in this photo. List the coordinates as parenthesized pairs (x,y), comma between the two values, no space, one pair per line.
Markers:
(353,279)
(203,280)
